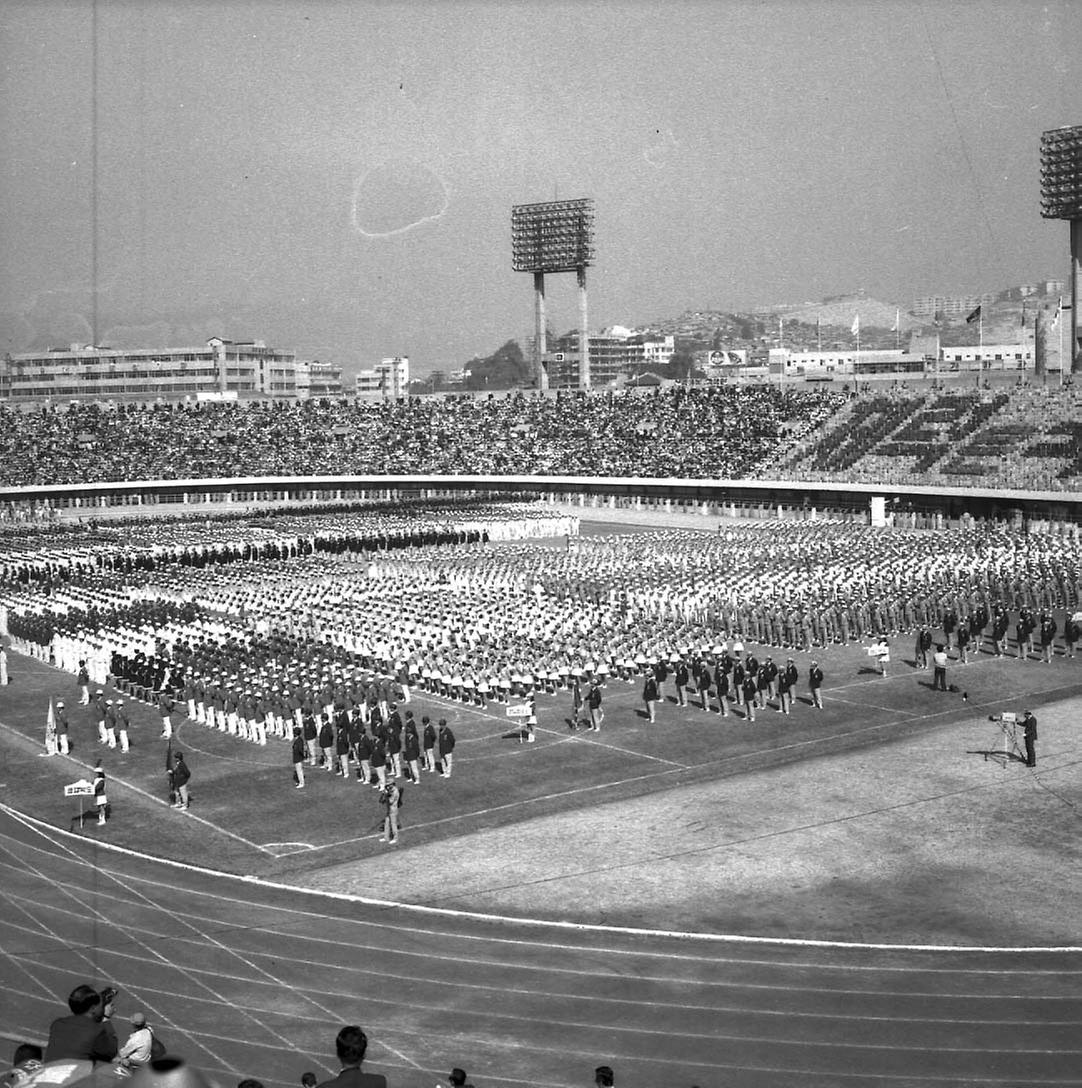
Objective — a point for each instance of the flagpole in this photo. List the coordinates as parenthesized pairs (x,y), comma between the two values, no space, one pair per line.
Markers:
(856,365)
(1059,314)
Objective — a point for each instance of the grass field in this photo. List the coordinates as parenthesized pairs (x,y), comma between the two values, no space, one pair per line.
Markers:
(247,818)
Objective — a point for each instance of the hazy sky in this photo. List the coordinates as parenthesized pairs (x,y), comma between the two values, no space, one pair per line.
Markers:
(337,177)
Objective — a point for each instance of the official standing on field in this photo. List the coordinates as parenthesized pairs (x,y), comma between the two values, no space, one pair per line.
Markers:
(447,748)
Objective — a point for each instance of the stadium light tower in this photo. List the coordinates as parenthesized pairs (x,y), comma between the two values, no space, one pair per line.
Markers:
(1061,198)
(554,237)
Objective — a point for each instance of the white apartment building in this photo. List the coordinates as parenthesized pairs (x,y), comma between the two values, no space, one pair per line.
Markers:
(85,372)
(389,378)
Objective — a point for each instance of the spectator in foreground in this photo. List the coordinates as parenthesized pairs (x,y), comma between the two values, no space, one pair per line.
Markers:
(604,1077)
(351,1046)
(25,1063)
(86,1034)
(139,1045)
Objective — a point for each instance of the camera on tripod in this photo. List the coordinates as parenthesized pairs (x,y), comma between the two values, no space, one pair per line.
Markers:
(1009,746)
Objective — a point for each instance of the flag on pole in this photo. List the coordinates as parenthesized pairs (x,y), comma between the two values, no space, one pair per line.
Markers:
(50,730)
(975,316)
(897,320)
(1055,319)
(856,325)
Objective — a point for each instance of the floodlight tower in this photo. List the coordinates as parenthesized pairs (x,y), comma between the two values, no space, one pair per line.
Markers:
(554,237)
(1061,198)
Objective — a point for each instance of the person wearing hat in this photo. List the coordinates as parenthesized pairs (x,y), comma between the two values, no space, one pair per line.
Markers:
(181,777)
(101,801)
(98,707)
(390,797)
(122,723)
(166,706)
(137,1048)
(446,741)
(815,684)
(110,723)
(83,683)
(411,749)
(298,755)
(1029,735)
(62,727)
(428,744)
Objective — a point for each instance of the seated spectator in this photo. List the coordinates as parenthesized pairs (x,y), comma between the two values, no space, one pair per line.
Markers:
(25,1062)
(458,1078)
(85,1034)
(604,1077)
(139,1045)
(352,1045)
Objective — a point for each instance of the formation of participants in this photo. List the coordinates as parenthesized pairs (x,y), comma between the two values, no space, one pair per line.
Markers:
(323,626)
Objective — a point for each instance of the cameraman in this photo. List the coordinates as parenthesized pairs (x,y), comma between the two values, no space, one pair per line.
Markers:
(86,1034)
(390,796)
(1029,734)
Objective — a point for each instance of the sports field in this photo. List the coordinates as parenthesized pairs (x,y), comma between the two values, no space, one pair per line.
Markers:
(889,818)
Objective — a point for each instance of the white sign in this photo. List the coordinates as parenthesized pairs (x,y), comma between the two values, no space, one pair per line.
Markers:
(82,788)
(522,711)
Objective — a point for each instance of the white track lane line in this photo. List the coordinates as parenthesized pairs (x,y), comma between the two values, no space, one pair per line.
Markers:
(512,921)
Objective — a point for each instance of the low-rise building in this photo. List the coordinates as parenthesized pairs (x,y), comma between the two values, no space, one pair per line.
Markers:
(317,379)
(949,305)
(390,378)
(825,364)
(85,372)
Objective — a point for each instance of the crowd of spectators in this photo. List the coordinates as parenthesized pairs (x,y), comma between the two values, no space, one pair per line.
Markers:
(717,433)
(87,1039)
(1025,438)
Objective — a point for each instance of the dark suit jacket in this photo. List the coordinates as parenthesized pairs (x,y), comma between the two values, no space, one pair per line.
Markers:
(81,1037)
(354,1078)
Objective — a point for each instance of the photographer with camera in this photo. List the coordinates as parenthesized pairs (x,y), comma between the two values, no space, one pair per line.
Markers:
(1029,736)
(87,1034)
(390,796)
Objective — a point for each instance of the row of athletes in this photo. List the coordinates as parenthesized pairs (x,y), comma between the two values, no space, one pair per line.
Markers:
(847,620)
(375,752)
(112,719)
(253,706)
(732,680)
(1032,630)
(251,714)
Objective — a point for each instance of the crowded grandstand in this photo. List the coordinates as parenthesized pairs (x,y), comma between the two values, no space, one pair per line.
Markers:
(1027,439)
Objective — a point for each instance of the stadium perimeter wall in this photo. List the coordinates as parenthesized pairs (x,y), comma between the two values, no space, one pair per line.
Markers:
(731,498)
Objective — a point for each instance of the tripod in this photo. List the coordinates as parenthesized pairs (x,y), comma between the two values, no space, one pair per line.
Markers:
(1006,745)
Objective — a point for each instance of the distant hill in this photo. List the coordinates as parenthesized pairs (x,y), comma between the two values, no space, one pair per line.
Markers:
(840,310)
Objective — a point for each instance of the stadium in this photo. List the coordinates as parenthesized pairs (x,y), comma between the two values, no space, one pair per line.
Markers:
(690,704)
(750,887)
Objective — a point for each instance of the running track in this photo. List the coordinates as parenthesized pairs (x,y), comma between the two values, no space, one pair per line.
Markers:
(247,979)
